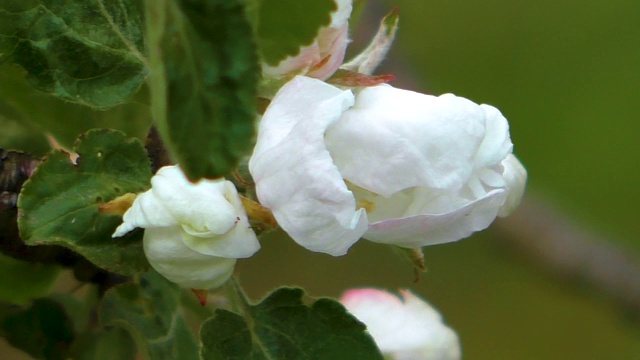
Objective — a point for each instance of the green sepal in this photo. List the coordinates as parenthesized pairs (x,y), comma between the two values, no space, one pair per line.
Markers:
(371,57)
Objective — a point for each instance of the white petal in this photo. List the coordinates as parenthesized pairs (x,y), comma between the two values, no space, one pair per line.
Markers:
(515,176)
(491,177)
(294,173)
(307,56)
(431,229)
(200,208)
(332,43)
(145,212)
(342,14)
(394,139)
(497,142)
(239,242)
(170,257)
(407,328)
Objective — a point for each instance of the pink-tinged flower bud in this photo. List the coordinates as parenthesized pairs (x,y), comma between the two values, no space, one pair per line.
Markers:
(324,56)
(405,327)
(193,232)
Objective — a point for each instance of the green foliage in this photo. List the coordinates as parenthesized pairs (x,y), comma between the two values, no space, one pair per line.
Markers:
(20,118)
(22,281)
(43,330)
(59,204)
(283,327)
(203,87)
(88,52)
(284,26)
(150,312)
(110,344)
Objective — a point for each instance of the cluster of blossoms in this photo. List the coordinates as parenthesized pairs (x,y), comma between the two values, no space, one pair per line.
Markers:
(335,165)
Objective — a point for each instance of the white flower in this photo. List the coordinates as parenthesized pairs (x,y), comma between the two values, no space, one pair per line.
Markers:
(193,232)
(390,165)
(323,57)
(406,328)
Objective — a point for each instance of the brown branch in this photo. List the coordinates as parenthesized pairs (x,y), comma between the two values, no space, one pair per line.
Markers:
(568,251)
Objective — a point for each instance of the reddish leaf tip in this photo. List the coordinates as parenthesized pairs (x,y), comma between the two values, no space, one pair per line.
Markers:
(201,295)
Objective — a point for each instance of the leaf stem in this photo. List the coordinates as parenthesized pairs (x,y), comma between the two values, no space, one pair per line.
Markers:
(239,300)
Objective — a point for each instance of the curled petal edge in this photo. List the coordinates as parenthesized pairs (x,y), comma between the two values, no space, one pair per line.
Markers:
(294,173)
(239,242)
(432,229)
(515,176)
(146,212)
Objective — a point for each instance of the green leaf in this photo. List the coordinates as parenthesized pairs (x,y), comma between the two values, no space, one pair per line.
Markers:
(204,74)
(17,98)
(150,312)
(284,26)
(84,51)
(22,281)
(43,330)
(282,327)
(110,344)
(59,204)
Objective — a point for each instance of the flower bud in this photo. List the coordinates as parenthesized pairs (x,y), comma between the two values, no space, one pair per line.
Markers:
(193,232)
(405,327)
(323,57)
(390,165)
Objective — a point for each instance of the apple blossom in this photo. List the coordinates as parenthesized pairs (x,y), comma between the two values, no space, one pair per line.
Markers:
(193,232)
(404,328)
(323,57)
(390,165)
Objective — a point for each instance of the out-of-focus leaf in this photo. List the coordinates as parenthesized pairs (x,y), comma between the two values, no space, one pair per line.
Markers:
(285,26)
(110,344)
(203,87)
(59,204)
(283,327)
(88,52)
(22,281)
(43,330)
(150,312)
(29,113)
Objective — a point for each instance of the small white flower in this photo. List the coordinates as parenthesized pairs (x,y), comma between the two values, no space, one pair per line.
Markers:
(323,57)
(193,232)
(405,328)
(390,165)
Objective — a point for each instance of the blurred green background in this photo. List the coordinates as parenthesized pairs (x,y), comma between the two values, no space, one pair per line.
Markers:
(566,74)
